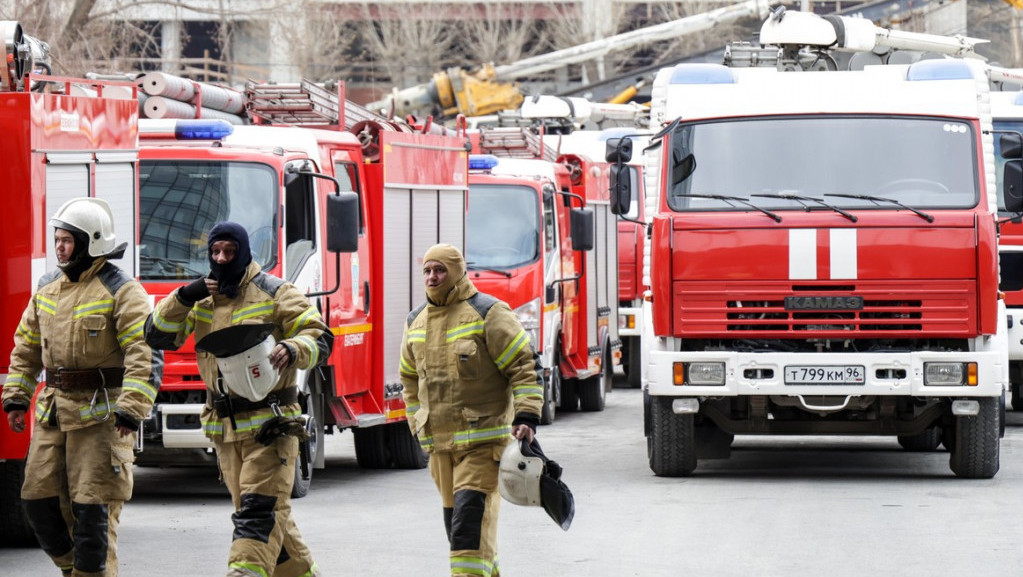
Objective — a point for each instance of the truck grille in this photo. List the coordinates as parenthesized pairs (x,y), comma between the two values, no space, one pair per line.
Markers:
(945,308)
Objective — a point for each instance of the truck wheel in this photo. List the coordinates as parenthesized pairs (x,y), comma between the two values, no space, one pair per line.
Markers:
(672,445)
(407,452)
(633,373)
(371,447)
(569,401)
(14,528)
(593,391)
(1017,396)
(301,487)
(974,450)
(925,441)
(548,410)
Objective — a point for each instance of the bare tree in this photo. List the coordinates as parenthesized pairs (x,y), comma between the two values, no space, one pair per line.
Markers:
(500,33)
(409,41)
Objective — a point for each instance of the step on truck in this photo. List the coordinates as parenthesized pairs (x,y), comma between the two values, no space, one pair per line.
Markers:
(63,138)
(397,192)
(540,236)
(823,260)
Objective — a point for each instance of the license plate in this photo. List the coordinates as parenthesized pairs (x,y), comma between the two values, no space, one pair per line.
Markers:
(824,375)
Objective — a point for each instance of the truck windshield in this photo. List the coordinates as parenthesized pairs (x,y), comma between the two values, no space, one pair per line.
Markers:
(502,226)
(921,162)
(181,200)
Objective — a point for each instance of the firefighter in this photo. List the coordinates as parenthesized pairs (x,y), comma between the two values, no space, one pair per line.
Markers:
(84,327)
(256,441)
(472,381)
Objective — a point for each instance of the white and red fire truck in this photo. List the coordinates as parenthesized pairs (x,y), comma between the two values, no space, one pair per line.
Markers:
(823,260)
(539,236)
(56,147)
(1007,113)
(276,180)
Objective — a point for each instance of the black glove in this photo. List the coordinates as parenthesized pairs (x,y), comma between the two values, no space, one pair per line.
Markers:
(125,420)
(10,406)
(277,427)
(193,291)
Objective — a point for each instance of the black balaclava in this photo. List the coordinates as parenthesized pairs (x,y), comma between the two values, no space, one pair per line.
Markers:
(80,260)
(229,275)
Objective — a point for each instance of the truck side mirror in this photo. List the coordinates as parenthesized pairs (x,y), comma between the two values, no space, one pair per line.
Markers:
(581,220)
(1012,185)
(343,222)
(620,179)
(1011,146)
(618,150)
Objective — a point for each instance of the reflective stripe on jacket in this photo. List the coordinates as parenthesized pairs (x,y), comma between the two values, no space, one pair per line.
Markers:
(95,322)
(467,368)
(262,298)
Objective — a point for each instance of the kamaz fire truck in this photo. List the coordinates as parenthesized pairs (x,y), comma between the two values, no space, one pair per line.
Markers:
(539,235)
(56,147)
(277,178)
(823,260)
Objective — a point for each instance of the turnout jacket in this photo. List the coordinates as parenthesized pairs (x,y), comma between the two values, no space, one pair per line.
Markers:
(96,322)
(468,369)
(262,298)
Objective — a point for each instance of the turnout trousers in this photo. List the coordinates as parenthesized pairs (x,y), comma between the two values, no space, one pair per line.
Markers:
(467,482)
(266,541)
(76,483)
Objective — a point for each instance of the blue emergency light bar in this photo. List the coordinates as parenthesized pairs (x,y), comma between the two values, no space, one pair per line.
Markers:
(944,69)
(702,73)
(185,129)
(482,161)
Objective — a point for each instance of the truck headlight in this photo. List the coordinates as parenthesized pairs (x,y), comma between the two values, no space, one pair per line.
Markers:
(950,374)
(705,374)
(529,316)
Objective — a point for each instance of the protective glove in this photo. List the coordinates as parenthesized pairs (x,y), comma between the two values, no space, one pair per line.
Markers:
(125,420)
(277,427)
(528,419)
(193,291)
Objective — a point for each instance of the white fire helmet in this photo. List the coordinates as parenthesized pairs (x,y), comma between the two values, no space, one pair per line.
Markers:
(92,217)
(519,476)
(243,357)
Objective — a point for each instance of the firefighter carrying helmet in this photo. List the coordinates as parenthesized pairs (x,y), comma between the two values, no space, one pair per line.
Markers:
(93,218)
(527,477)
(243,357)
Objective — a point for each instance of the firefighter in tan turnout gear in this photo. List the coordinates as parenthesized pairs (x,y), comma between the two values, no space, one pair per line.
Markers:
(84,326)
(472,381)
(256,438)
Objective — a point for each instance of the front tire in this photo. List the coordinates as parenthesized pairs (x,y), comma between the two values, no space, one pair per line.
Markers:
(301,487)
(371,450)
(593,391)
(672,445)
(548,411)
(633,373)
(974,453)
(927,440)
(404,447)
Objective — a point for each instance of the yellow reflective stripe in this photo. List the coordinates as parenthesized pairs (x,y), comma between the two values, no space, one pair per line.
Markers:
(23,382)
(471,566)
(204,315)
(148,390)
(301,322)
(103,306)
(411,409)
(528,390)
(131,333)
(253,423)
(46,305)
(189,325)
(417,336)
(406,368)
(163,324)
(248,567)
(314,570)
(32,338)
(466,330)
(252,311)
(426,442)
(213,427)
(43,412)
(513,349)
(98,411)
(310,344)
(477,435)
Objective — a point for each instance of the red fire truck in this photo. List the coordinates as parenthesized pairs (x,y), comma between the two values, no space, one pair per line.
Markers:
(538,236)
(1007,110)
(56,147)
(409,190)
(823,260)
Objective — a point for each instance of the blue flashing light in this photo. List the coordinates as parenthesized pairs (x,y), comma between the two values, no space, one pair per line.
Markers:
(1018,101)
(210,129)
(482,161)
(943,69)
(702,73)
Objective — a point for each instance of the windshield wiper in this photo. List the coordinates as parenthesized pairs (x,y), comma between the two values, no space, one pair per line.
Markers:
(472,266)
(804,199)
(877,199)
(176,263)
(735,199)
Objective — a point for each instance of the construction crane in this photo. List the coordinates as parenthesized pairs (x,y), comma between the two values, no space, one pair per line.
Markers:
(493,88)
